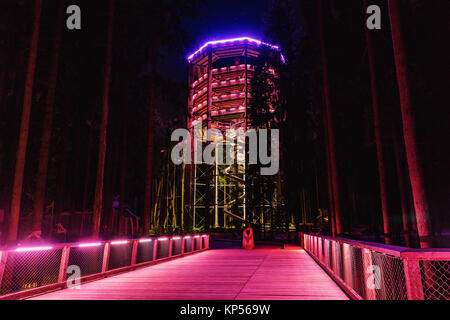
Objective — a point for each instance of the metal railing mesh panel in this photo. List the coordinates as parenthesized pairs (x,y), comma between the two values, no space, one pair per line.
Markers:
(327,255)
(197,243)
(120,255)
(144,252)
(27,270)
(176,247)
(163,249)
(187,245)
(89,259)
(435,279)
(357,268)
(203,242)
(391,277)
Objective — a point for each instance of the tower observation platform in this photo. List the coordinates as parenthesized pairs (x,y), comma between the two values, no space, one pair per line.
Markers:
(220,79)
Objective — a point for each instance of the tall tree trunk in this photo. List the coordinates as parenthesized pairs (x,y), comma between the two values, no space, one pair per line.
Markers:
(330,179)
(402,189)
(150,141)
(87,176)
(412,153)
(123,160)
(41,182)
(174,197)
(24,127)
(108,182)
(183,173)
(96,215)
(378,136)
(329,123)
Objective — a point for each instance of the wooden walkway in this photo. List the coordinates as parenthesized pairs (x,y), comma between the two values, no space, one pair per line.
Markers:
(222,274)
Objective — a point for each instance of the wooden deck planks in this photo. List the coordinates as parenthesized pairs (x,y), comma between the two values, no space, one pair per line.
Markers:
(228,274)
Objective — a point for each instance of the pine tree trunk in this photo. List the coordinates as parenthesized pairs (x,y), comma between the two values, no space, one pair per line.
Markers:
(330,180)
(402,189)
(123,164)
(150,141)
(329,124)
(24,127)
(412,153)
(88,168)
(378,137)
(41,182)
(108,183)
(174,197)
(183,173)
(96,215)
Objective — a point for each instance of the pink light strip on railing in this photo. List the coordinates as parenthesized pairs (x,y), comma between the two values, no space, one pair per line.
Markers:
(197,237)
(86,245)
(258,42)
(119,242)
(145,240)
(176,238)
(187,237)
(163,239)
(28,249)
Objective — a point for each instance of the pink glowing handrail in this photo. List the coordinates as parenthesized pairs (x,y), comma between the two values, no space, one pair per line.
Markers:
(189,58)
(28,249)
(119,242)
(187,237)
(145,240)
(163,239)
(86,245)
(197,237)
(176,238)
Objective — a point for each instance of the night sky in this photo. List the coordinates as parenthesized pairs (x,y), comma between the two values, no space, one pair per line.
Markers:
(217,20)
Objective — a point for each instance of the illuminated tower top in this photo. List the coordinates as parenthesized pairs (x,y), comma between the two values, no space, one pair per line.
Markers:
(220,48)
(220,75)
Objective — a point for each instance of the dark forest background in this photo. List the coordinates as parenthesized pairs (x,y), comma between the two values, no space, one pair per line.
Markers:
(141,28)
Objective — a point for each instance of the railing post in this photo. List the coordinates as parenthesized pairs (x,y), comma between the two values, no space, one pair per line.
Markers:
(367,265)
(170,247)
(63,264)
(207,241)
(413,279)
(193,244)
(155,250)
(3,257)
(183,240)
(134,252)
(106,252)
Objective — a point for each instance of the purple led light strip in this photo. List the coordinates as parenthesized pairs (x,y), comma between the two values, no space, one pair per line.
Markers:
(258,42)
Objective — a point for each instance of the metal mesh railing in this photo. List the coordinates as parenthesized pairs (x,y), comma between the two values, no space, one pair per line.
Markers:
(163,249)
(177,246)
(145,251)
(187,244)
(197,242)
(88,259)
(30,269)
(391,277)
(120,255)
(357,266)
(435,276)
(380,272)
(23,270)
